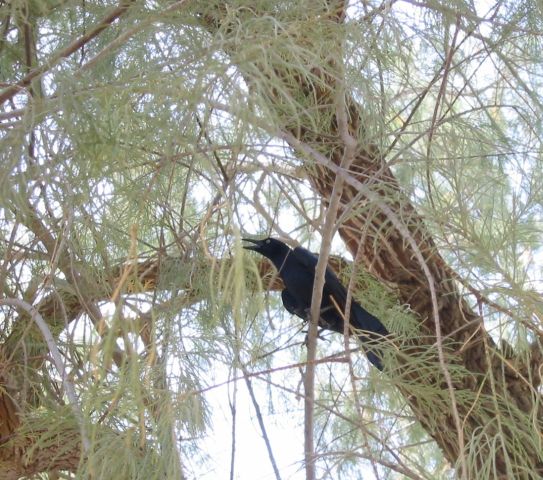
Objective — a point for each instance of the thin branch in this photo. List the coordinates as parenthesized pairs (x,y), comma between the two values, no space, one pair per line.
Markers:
(128,34)
(246,376)
(326,407)
(437,108)
(65,52)
(350,151)
(57,360)
(376,198)
(349,154)
(233,409)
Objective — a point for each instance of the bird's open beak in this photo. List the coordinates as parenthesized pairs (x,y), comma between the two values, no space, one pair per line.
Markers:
(255,247)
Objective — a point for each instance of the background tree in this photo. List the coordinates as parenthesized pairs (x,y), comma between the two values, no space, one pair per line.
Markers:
(140,140)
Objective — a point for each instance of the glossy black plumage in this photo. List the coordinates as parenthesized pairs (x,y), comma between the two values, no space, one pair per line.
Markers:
(296,268)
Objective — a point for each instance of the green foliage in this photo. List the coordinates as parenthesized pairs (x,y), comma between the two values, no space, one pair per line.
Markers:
(131,168)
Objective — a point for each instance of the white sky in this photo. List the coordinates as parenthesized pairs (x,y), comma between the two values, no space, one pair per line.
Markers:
(285,431)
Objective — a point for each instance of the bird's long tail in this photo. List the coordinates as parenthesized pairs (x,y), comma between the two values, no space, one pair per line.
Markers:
(372,333)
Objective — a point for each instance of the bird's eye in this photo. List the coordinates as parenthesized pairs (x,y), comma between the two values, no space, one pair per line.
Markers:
(268,241)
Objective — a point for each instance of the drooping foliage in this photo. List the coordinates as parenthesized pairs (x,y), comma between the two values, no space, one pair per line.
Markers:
(141,140)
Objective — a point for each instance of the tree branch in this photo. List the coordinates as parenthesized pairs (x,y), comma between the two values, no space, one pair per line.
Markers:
(65,52)
(57,360)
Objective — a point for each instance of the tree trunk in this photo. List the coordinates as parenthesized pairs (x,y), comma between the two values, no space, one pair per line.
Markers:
(19,454)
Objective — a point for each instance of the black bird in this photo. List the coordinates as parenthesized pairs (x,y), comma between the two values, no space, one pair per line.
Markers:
(296,267)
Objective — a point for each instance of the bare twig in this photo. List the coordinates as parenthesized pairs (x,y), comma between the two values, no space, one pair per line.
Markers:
(437,108)
(248,383)
(396,221)
(350,144)
(128,34)
(233,410)
(326,407)
(57,360)
(65,52)
(327,233)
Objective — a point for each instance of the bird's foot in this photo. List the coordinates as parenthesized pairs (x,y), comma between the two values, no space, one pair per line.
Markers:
(319,336)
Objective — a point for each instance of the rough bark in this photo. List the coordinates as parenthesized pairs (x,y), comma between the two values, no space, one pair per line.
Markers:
(19,454)
(19,457)
(23,455)
(493,384)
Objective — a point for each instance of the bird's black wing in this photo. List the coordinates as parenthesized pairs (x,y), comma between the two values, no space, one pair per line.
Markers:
(360,319)
(291,305)
(332,285)
(334,294)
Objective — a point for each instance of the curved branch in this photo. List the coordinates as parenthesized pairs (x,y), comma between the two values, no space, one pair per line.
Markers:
(57,360)
(65,52)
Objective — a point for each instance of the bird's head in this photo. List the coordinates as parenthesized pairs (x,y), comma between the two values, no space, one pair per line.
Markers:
(271,248)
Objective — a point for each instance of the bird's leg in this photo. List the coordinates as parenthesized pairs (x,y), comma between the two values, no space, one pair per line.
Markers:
(307,313)
(319,336)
